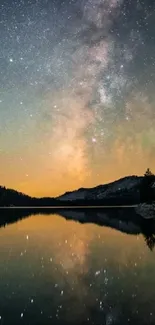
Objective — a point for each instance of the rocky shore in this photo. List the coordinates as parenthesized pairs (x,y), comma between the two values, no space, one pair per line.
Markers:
(146,210)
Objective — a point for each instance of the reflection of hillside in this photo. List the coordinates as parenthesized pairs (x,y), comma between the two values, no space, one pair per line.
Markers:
(8,216)
(123,219)
(119,219)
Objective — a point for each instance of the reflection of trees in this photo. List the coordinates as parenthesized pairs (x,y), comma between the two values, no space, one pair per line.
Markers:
(150,241)
(148,231)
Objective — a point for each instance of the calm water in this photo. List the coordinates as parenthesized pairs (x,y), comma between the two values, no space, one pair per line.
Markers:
(54,271)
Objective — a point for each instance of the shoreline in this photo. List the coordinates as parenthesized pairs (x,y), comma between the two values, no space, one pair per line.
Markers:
(70,207)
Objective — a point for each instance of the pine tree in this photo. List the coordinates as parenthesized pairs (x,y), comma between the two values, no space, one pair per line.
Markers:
(148,173)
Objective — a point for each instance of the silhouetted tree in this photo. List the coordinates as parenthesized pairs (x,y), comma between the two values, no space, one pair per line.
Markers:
(147,191)
(148,173)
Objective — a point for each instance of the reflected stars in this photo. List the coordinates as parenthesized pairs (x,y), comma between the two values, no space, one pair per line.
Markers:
(94,140)
(102,282)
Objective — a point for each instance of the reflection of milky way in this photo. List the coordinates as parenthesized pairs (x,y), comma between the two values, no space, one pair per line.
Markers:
(75,273)
(77,93)
(71,249)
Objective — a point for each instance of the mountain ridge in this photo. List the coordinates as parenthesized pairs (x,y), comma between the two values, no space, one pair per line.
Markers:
(101,186)
(127,190)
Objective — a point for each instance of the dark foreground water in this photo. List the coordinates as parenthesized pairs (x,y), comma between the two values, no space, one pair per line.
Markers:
(54,271)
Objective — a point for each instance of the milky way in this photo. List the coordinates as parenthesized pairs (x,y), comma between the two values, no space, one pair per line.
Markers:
(77,92)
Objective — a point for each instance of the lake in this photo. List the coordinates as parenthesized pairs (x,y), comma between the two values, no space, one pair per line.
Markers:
(58,271)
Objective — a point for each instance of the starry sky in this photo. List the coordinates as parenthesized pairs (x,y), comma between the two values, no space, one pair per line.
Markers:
(77,99)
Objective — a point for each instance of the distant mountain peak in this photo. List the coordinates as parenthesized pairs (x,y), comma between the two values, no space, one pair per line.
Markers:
(101,191)
(124,191)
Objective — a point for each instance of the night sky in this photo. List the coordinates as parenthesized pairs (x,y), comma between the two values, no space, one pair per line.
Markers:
(77,97)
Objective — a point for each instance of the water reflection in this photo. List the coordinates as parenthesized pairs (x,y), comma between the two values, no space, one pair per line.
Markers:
(56,271)
(123,219)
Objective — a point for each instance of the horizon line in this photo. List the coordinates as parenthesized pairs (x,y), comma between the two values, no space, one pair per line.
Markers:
(67,192)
